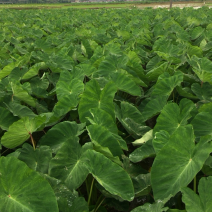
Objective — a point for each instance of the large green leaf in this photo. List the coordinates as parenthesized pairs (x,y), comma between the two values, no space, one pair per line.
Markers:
(160,93)
(79,205)
(20,110)
(60,134)
(145,151)
(33,71)
(8,68)
(37,159)
(65,104)
(108,174)
(6,118)
(142,184)
(196,32)
(160,139)
(201,203)
(132,119)
(105,138)
(111,64)
(39,86)
(126,84)
(22,189)
(22,94)
(158,206)
(21,130)
(181,160)
(67,85)
(94,97)
(202,124)
(166,83)
(203,68)
(203,92)
(102,118)
(68,166)
(157,71)
(65,197)
(173,116)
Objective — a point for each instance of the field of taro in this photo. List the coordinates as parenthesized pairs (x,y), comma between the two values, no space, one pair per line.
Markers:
(106,110)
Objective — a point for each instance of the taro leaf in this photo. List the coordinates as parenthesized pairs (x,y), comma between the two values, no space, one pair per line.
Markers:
(79,205)
(153,107)
(67,165)
(185,92)
(102,118)
(194,50)
(158,206)
(8,68)
(61,133)
(65,104)
(20,131)
(203,92)
(106,193)
(94,97)
(160,139)
(157,71)
(16,74)
(37,159)
(132,169)
(6,118)
(168,51)
(207,107)
(181,160)
(39,86)
(57,63)
(86,45)
(108,174)
(105,138)
(22,94)
(202,124)
(146,137)
(106,152)
(132,119)
(20,110)
(111,64)
(33,71)
(203,68)
(67,85)
(87,69)
(135,64)
(65,197)
(159,96)
(207,167)
(196,32)
(201,203)
(166,84)
(67,90)
(174,116)
(126,84)
(142,184)
(22,189)
(145,151)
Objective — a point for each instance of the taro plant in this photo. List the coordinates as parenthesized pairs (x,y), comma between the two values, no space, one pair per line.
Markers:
(106,110)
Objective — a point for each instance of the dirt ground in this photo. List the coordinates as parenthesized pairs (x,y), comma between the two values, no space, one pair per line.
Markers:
(174,4)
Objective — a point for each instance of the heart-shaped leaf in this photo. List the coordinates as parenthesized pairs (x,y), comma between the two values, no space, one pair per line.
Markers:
(22,189)
(181,160)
